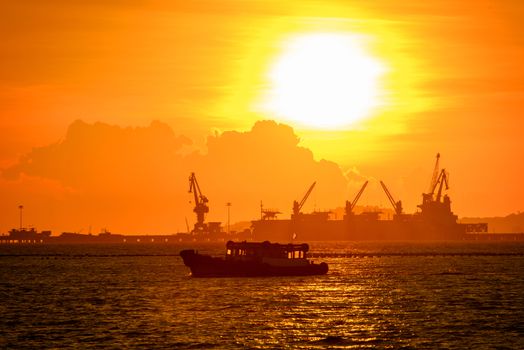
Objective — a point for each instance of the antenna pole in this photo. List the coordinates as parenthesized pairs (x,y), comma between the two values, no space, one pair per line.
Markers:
(21,207)
(228,215)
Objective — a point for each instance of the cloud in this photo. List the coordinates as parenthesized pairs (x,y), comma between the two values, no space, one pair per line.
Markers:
(100,155)
(267,163)
(134,180)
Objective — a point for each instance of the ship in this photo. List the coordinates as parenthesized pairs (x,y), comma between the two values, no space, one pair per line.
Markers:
(254,259)
(25,235)
(434,221)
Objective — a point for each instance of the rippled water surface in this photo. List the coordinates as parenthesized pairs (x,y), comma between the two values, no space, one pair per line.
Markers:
(118,296)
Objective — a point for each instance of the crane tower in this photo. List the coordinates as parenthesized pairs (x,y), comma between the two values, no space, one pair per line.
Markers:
(201,208)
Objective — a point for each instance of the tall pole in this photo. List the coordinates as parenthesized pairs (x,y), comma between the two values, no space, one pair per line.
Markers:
(21,207)
(228,204)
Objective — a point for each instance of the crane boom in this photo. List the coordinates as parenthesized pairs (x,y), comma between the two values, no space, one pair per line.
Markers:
(397,206)
(303,201)
(442,179)
(298,206)
(194,187)
(388,194)
(357,197)
(434,177)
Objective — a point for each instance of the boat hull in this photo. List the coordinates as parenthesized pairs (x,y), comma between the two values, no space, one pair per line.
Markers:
(208,266)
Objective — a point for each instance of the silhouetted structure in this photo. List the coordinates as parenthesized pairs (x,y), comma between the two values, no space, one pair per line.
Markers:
(268,214)
(204,231)
(24,235)
(247,259)
(351,205)
(201,208)
(397,205)
(31,236)
(434,221)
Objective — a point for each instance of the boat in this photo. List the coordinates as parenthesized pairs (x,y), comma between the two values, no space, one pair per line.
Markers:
(252,259)
(434,219)
(25,235)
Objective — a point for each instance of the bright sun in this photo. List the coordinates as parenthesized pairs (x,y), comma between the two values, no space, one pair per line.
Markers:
(324,81)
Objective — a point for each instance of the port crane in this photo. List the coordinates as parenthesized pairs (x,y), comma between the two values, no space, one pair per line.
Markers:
(441,181)
(351,205)
(397,205)
(298,206)
(434,204)
(435,175)
(201,207)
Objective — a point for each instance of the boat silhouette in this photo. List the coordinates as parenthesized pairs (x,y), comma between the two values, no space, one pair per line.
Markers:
(250,259)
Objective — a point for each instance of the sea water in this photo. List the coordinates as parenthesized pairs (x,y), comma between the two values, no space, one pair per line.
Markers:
(141,296)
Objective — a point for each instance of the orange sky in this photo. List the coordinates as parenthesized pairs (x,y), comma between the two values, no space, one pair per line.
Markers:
(454,84)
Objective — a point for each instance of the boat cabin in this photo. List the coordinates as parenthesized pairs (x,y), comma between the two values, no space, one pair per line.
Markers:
(252,250)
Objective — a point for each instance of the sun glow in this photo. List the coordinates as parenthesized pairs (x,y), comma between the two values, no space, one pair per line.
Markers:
(324,81)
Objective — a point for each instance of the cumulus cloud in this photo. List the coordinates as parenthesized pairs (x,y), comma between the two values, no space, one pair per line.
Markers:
(98,155)
(135,179)
(267,163)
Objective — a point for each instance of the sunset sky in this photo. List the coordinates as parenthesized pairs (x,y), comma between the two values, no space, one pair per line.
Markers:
(107,106)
